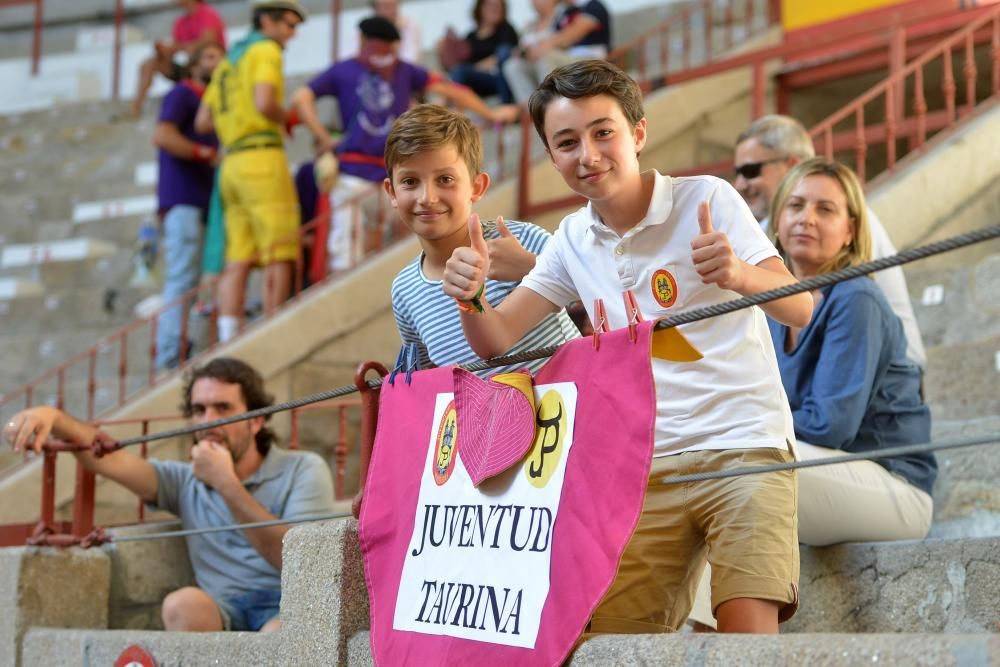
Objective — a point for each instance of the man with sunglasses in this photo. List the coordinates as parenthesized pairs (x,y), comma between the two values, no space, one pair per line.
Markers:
(765,152)
(244,105)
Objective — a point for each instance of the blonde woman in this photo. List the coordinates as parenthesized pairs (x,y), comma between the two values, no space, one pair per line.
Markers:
(849,383)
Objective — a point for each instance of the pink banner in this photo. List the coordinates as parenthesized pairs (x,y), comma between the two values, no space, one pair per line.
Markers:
(508,572)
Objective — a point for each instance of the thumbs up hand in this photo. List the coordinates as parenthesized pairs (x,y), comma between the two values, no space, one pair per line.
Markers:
(467,268)
(508,258)
(713,256)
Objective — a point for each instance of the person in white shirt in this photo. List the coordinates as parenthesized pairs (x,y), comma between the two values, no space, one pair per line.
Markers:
(765,152)
(677,244)
(579,29)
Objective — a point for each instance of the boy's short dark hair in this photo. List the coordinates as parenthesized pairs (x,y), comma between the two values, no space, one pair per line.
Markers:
(233,371)
(428,127)
(586,78)
(273,14)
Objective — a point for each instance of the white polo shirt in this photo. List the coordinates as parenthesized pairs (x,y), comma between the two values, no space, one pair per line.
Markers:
(730,399)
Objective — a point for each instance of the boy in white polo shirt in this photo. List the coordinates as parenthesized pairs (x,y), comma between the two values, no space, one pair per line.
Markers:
(678,244)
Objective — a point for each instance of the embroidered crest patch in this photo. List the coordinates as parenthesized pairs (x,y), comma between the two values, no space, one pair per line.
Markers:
(664,287)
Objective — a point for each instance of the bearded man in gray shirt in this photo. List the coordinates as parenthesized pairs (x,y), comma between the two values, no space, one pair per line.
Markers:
(236,475)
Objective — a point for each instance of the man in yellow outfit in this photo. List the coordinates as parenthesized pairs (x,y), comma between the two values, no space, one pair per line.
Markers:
(244,105)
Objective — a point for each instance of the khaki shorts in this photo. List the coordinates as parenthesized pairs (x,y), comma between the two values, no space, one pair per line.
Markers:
(261,207)
(744,526)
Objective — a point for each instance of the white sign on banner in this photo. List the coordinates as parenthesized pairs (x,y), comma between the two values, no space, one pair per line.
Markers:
(477,566)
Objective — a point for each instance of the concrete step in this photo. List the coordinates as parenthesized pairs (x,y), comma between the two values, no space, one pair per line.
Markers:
(146,174)
(76,399)
(928,603)
(962,380)
(47,646)
(123,230)
(12,289)
(55,309)
(31,255)
(111,178)
(120,207)
(928,586)
(27,356)
(829,650)
(966,496)
(110,270)
(957,304)
(89,165)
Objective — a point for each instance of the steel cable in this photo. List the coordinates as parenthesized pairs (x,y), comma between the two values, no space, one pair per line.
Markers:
(810,284)
(921,252)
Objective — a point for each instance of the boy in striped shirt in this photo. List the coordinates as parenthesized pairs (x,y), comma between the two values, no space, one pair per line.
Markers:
(434,160)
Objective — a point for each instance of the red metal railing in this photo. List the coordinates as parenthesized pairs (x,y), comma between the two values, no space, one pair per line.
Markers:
(50,531)
(891,46)
(131,374)
(649,59)
(36,32)
(900,127)
(738,17)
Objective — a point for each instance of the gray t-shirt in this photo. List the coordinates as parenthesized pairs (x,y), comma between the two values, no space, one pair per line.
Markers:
(289,485)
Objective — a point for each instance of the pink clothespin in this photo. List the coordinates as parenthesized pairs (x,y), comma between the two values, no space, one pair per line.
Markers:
(601,323)
(633,314)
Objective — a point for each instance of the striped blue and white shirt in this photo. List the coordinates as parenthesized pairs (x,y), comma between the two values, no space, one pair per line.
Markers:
(425,315)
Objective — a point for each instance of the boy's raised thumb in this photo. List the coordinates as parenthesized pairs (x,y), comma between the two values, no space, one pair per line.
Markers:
(476,240)
(502,228)
(705,218)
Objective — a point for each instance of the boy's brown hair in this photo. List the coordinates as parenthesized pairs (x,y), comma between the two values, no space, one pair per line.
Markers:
(586,78)
(428,127)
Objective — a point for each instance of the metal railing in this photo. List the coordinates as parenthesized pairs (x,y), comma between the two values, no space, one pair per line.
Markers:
(891,43)
(369,391)
(131,373)
(897,113)
(36,30)
(114,350)
(705,33)
(48,530)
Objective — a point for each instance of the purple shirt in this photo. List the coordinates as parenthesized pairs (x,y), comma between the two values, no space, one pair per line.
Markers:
(369,105)
(184,181)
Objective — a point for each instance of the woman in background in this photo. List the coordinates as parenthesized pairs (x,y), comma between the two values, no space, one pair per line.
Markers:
(849,383)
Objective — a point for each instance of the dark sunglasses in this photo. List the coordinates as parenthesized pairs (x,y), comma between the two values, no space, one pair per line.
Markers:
(753,169)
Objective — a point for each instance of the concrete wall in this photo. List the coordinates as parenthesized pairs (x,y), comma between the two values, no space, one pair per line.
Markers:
(142,574)
(943,593)
(50,587)
(949,187)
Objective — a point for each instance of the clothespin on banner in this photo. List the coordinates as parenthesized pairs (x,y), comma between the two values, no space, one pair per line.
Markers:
(601,323)
(412,362)
(633,314)
(399,365)
(407,360)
